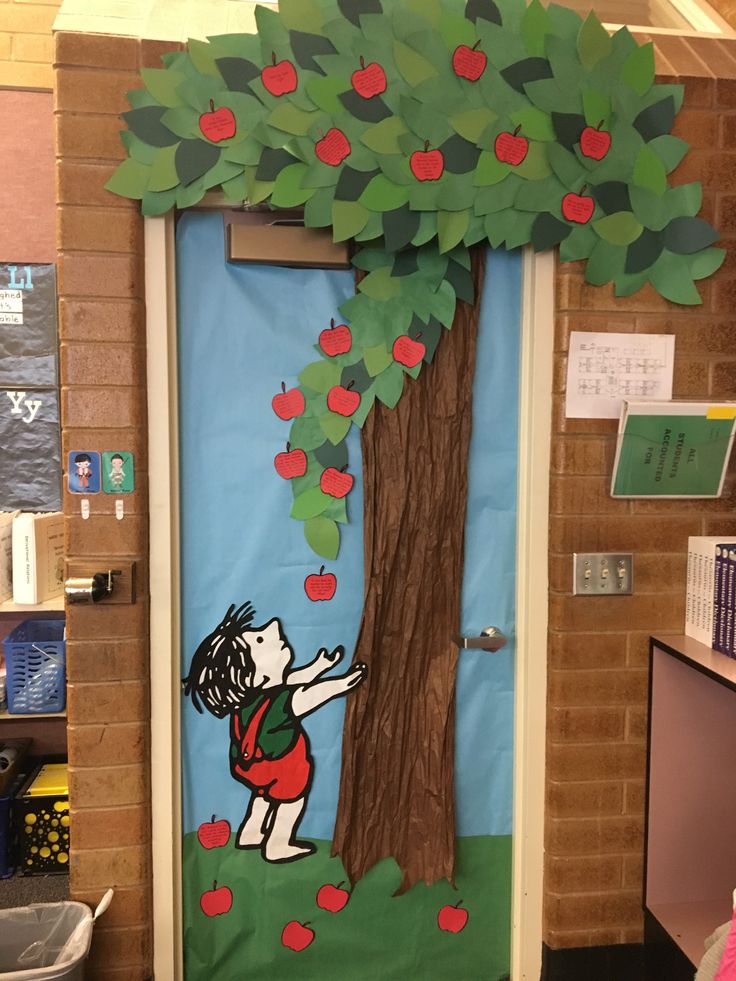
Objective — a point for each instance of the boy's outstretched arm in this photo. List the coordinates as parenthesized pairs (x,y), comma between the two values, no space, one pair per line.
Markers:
(310,672)
(308,698)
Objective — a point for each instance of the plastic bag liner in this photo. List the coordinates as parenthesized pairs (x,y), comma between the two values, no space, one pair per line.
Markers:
(47,941)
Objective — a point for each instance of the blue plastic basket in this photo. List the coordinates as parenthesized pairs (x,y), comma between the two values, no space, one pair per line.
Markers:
(35,654)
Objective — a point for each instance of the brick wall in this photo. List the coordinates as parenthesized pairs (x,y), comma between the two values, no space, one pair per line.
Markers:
(102,333)
(26,45)
(597,690)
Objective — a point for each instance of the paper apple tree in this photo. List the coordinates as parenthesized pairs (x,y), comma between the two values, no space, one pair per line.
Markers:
(418,128)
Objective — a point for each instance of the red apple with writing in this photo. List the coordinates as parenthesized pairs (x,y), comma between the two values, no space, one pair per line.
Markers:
(342,400)
(217,124)
(336,340)
(511,148)
(320,587)
(426,164)
(452,918)
(595,142)
(296,936)
(278,79)
(335,482)
(369,80)
(216,901)
(332,898)
(213,834)
(578,207)
(407,351)
(288,405)
(333,147)
(292,463)
(469,62)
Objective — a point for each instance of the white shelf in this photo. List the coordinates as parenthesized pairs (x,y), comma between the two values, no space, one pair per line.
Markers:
(690,923)
(56,604)
(11,717)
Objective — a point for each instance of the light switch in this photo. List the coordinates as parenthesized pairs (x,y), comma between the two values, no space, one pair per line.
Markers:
(603,574)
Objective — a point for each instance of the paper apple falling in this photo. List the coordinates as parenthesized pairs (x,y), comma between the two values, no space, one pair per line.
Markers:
(278,79)
(217,124)
(292,463)
(213,834)
(468,62)
(407,351)
(336,340)
(426,164)
(578,207)
(297,936)
(335,482)
(320,587)
(343,401)
(369,80)
(332,898)
(333,148)
(595,143)
(511,148)
(216,901)
(288,405)
(452,918)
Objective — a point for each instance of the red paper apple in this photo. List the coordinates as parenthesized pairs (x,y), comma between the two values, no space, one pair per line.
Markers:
(217,124)
(578,207)
(343,401)
(511,148)
(332,898)
(216,901)
(426,164)
(288,405)
(369,80)
(320,587)
(468,62)
(292,463)
(213,834)
(278,79)
(335,482)
(452,918)
(407,351)
(595,143)
(296,936)
(336,340)
(333,147)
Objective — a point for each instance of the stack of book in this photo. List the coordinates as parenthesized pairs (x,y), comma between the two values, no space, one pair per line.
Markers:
(711,592)
(31,556)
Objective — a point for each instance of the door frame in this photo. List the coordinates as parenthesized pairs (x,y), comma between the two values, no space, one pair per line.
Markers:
(535,415)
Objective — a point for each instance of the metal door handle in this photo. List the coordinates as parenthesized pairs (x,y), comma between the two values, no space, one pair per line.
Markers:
(491,639)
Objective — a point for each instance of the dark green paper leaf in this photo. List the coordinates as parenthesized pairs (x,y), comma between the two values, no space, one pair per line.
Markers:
(147,126)
(330,455)
(194,158)
(688,235)
(548,231)
(656,120)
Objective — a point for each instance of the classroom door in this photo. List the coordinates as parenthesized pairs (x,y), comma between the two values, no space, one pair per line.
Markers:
(262,896)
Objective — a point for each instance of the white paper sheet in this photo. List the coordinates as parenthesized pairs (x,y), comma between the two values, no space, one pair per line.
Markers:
(603,369)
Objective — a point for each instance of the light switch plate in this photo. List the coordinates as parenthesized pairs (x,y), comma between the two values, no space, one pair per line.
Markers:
(603,574)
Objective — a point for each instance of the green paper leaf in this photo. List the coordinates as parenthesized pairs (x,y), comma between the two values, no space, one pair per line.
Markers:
(613,196)
(163,170)
(238,73)
(288,191)
(376,359)
(638,69)
(527,70)
(456,30)
(383,195)
(568,127)
(389,385)
(471,123)
(306,433)
(548,231)
(320,376)
(353,9)
(605,263)
(329,455)
(656,120)
(644,252)
(334,427)
(323,536)
(579,244)
(384,136)
(310,503)
(308,48)
(130,180)
(485,9)
(203,55)
(184,121)
(618,229)
(380,285)
(272,162)
(671,277)
(490,170)
(399,228)
(535,166)
(442,303)
(300,15)
(324,92)
(162,84)
(156,203)
(348,218)
(292,120)
(597,108)
(535,25)
(194,158)
(496,198)
(147,126)
(535,124)
(670,150)
(594,42)
(413,68)
(649,171)
(707,262)
(451,227)
(688,235)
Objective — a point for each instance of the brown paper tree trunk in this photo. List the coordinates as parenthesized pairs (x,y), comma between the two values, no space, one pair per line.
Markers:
(397,781)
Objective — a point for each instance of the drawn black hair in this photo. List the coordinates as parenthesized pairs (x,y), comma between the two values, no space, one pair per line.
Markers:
(222,668)
(83,458)
(117,456)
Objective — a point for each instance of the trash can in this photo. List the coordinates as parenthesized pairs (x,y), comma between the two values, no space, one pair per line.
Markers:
(47,941)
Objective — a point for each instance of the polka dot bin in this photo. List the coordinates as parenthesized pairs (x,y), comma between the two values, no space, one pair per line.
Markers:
(42,822)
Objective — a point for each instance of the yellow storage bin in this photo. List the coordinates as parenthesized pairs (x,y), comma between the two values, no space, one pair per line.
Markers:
(41,811)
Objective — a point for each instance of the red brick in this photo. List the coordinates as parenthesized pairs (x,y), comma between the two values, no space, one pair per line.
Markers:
(95,51)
